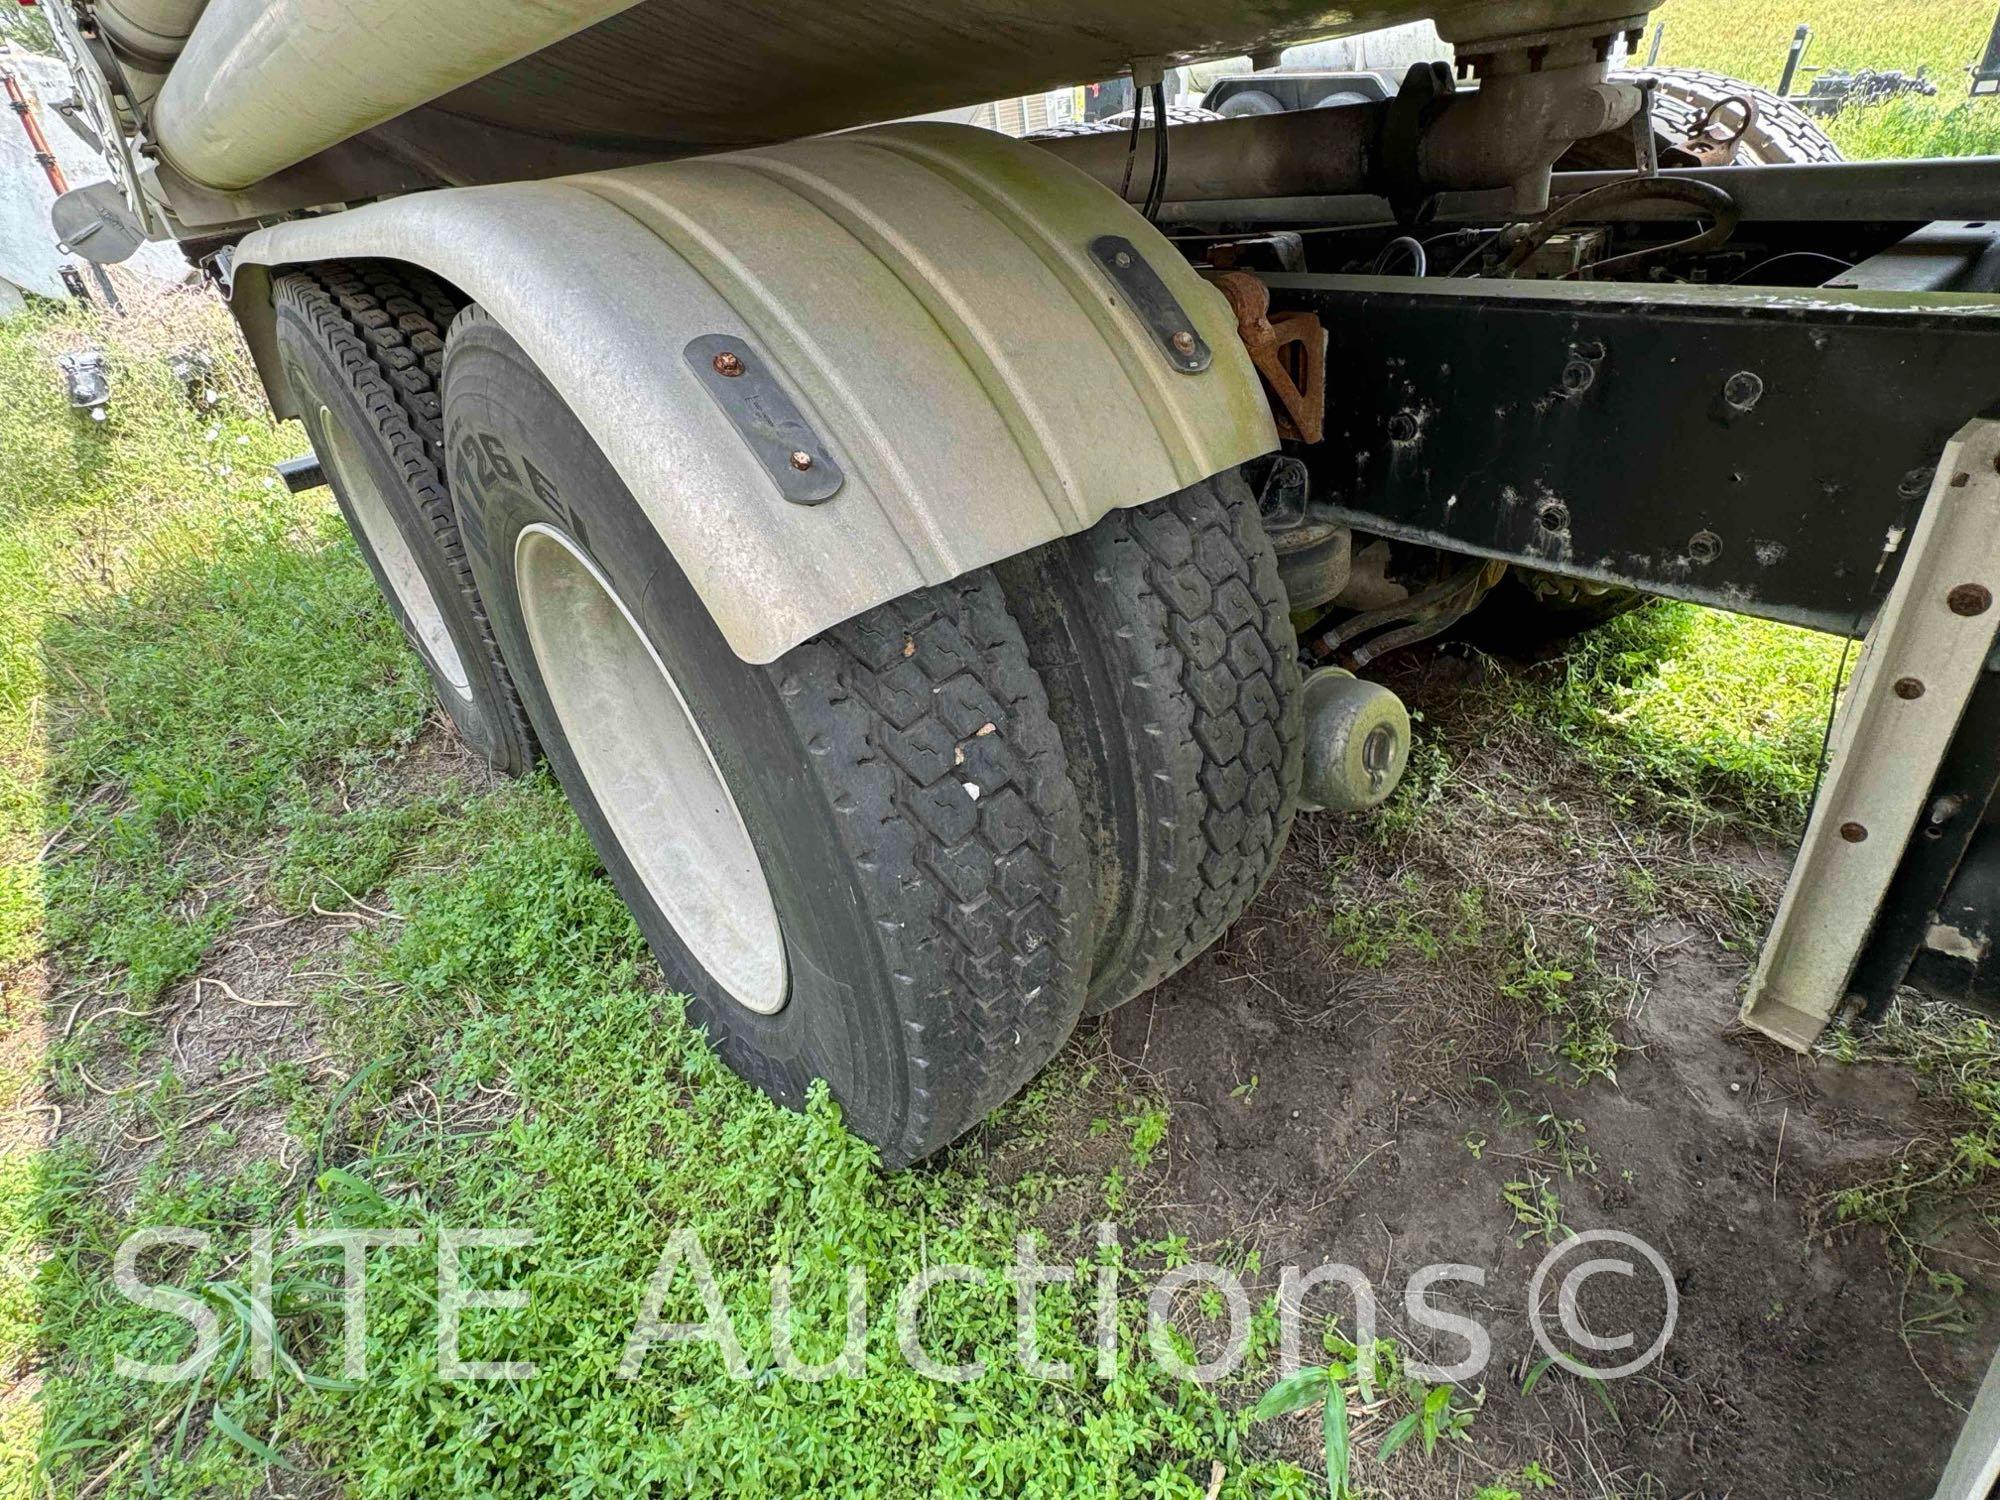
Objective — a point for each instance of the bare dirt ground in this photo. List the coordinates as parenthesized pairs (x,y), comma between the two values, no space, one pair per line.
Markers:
(1330,1109)
(229,1035)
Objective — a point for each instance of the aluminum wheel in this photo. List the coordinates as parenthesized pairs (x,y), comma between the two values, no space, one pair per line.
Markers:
(649,768)
(350,474)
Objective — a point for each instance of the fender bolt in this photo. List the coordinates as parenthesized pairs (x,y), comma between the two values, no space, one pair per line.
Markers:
(1969,599)
(1184,342)
(801,460)
(728,364)
(1854,833)
(1909,687)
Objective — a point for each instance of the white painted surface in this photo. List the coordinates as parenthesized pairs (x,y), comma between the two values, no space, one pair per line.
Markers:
(1886,748)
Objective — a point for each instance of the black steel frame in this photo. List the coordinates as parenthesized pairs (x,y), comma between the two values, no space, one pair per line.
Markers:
(1758,449)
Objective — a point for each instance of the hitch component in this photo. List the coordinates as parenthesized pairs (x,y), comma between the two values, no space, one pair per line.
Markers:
(1289,351)
(1357,742)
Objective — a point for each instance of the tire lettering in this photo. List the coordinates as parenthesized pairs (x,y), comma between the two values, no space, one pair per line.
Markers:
(482,459)
(496,463)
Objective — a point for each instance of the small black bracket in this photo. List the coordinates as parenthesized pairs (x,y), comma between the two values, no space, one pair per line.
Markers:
(302,473)
(733,372)
(1128,270)
(1427,91)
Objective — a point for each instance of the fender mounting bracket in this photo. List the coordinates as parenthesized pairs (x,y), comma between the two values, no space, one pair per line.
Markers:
(740,381)
(1148,296)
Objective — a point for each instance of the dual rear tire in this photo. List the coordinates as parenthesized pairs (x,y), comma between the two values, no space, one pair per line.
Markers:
(362,349)
(906,856)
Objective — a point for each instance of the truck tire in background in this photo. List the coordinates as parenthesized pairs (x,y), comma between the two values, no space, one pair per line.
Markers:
(1781,132)
(362,349)
(1172,671)
(1249,102)
(1177,114)
(863,862)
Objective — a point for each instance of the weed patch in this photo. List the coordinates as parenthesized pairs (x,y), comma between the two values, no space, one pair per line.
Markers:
(1943,1189)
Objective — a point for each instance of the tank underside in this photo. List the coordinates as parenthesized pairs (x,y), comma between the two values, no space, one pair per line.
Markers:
(264,88)
(676,76)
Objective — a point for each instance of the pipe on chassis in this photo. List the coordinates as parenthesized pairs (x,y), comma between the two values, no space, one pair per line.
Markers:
(1506,134)
(1331,149)
(1920,191)
(264,84)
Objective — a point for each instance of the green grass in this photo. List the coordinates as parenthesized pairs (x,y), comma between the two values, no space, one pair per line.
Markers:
(1701,711)
(201,709)
(1948,1179)
(524,971)
(202,699)
(1691,716)
(1749,41)
(176,656)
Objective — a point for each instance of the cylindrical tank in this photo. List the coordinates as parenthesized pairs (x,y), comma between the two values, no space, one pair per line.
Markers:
(263,84)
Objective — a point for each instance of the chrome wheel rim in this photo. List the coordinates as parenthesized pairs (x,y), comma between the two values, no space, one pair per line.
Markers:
(405,578)
(649,768)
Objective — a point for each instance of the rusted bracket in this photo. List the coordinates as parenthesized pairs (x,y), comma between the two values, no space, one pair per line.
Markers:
(1719,150)
(1289,351)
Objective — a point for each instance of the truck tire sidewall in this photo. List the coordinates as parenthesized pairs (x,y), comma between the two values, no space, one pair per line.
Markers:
(518,457)
(315,378)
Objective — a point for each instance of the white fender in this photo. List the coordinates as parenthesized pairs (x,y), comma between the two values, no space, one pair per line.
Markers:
(927,299)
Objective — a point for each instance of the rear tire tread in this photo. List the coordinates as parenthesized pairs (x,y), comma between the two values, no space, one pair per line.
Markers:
(901,709)
(1163,635)
(385,327)
(1211,567)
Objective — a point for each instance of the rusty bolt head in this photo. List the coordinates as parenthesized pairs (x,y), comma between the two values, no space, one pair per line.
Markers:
(1969,599)
(1122,259)
(1578,376)
(1854,833)
(1184,342)
(801,460)
(1909,688)
(728,364)
(1704,546)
